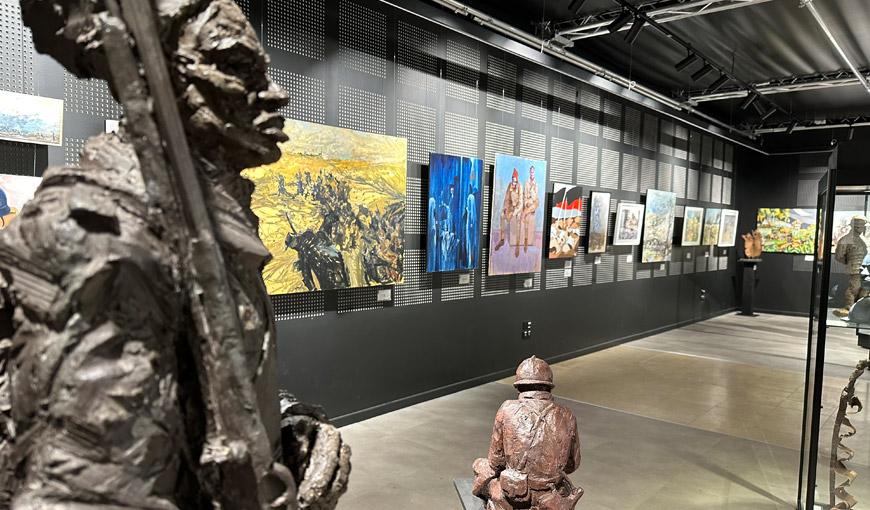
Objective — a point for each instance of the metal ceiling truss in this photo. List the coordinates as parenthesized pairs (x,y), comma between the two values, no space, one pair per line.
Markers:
(661,11)
(807,125)
(795,83)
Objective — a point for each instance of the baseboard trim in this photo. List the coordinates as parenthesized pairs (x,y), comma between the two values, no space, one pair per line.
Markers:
(790,313)
(395,405)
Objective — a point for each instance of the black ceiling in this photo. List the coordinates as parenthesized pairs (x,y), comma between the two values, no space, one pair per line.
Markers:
(772,39)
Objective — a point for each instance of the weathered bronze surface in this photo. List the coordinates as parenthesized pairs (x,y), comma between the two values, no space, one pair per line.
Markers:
(534,446)
(137,366)
(851,250)
(752,244)
(840,498)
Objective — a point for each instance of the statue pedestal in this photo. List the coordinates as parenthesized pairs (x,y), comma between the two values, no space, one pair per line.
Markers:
(469,500)
(750,278)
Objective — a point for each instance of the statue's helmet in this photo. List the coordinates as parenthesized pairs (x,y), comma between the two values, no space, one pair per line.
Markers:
(534,371)
(859,221)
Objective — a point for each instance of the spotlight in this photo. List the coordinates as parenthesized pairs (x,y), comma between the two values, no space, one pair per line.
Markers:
(686,62)
(748,101)
(719,83)
(766,115)
(791,127)
(620,21)
(702,72)
(575,6)
(634,31)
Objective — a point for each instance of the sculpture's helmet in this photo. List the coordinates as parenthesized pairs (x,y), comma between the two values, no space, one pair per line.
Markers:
(534,371)
(859,220)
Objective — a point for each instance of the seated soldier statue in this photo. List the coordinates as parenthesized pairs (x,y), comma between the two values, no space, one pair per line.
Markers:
(534,446)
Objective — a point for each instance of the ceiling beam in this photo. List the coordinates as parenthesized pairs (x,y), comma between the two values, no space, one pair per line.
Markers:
(808,4)
(795,83)
(662,11)
(808,125)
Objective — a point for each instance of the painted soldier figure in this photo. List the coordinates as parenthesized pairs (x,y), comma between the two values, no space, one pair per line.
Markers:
(534,446)
(530,208)
(510,214)
(851,250)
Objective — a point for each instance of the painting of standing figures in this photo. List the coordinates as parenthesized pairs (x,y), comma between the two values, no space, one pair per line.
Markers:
(712,224)
(567,213)
(599,218)
(332,209)
(629,220)
(453,240)
(693,224)
(516,234)
(728,228)
(658,226)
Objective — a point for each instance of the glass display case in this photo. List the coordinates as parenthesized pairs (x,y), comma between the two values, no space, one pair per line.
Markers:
(835,456)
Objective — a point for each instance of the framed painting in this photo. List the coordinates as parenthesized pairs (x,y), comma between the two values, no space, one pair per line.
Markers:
(599,218)
(31,119)
(15,191)
(712,223)
(787,230)
(658,226)
(693,226)
(453,230)
(565,219)
(629,223)
(516,234)
(728,228)
(332,209)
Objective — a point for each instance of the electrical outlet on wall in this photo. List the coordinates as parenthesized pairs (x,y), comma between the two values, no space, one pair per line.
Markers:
(527,330)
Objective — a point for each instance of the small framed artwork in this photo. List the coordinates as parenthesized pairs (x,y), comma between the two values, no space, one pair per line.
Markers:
(728,228)
(565,221)
(599,218)
(693,226)
(629,222)
(712,222)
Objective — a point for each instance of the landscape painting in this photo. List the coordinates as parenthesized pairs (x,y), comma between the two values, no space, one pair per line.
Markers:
(787,230)
(453,240)
(332,209)
(693,225)
(712,223)
(31,119)
(15,191)
(516,234)
(599,218)
(629,220)
(565,221)
(728,228)
(658,226)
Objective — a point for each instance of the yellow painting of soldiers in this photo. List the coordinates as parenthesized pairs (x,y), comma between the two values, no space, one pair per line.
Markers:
(332,209)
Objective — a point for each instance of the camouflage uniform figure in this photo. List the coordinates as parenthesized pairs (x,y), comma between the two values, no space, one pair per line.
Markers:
(851,250)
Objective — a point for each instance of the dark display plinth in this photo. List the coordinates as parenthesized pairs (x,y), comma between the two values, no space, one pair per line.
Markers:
(750,277)
(469,500)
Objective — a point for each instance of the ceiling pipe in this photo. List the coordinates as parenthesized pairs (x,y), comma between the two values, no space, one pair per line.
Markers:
(812,8)
(791,127)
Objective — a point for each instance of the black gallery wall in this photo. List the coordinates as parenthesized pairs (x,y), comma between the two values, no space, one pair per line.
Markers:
(364,65)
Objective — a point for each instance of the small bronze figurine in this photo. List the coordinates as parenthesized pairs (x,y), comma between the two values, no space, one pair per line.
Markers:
(752,244)
(851,250)
(535,444)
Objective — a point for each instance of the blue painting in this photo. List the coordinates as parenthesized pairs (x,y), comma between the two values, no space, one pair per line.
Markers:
(453,240)
(31,119)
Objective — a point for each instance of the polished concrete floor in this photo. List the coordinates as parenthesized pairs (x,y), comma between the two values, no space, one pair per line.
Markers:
(707,416)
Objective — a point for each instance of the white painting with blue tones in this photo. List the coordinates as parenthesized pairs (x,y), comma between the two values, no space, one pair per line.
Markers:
(31,119)
(453,240)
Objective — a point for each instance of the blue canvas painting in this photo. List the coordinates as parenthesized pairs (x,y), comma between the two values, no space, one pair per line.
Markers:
(31,119)
(453,240)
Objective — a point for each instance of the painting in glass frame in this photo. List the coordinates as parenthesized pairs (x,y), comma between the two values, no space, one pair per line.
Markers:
(787,230)
(566,216)
(599,218)
(15,191)
(712,223)
(629,223)
(728,228)
(332,209)
(31,119)
(658,226)
(516,234)
(453,236)
(693,226)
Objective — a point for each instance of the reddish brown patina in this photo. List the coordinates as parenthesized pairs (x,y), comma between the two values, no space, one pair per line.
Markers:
(534,446)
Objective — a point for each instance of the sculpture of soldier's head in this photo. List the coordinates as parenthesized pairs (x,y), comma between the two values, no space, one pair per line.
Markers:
(859,225)
(218,68)
(534,374)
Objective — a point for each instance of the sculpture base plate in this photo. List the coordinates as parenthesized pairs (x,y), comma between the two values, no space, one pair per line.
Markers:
(469,500)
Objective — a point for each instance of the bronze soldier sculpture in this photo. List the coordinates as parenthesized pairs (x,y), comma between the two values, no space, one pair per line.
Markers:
(137,360)
(534,446)
(851,250)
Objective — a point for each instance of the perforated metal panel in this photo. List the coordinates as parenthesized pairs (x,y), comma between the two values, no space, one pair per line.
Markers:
(360,299)
(666,176)
(605,270)
(89,97)
(416,190)
(801,265)
(625,268)
(650,132)
(492,285)
(520,283)
(72,150)
(704,187)
(499,140)
(417,57)
(729,158)
(304,305)
(460,134)
(555,274)
(707,151)
(630,173)
(700,262)
(451,290)
(487,198)
(666,138)
(536,87)
(643,273)
(807,192)
(688,264)
(718,153)
(694,147)
(660,269)
(245,5)
(675,266)
(582,270)
(462,69)
(533,145)
(632,126)
(19,158)
(417,287)
(726,190)
(692,185)
(609,169)
(561,160)
(296,26)
(307,95)
(723,263)
(590,110)
(501,84)
(417,123)
(647,174)
(362,110)
(587,164)
(16,57)
(362,39)
(681,142)
(612,120)
(716,189)
(564,105)
(713,262)
(680,181)
(680,211)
